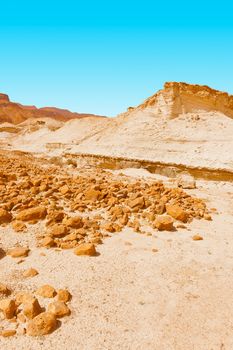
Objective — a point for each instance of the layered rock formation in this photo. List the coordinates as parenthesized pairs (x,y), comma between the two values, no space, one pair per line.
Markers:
(182,124)
(16,113)
(180,98)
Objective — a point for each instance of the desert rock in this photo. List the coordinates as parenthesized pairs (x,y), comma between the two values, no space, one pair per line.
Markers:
(164,223)
(46,291)
(32,308)
(85,249)
(30,214)
(63,295)
(177,212)
(59,309)
(5,216)
(42,324)
(8,307)
(30,273)
(18,252)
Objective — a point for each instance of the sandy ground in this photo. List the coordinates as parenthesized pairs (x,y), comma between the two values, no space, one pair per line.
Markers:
(130,297)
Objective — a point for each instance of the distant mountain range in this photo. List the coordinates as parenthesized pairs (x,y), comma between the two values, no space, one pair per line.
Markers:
(16,113)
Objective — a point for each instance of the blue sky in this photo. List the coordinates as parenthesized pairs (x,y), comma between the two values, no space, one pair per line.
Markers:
(103,56)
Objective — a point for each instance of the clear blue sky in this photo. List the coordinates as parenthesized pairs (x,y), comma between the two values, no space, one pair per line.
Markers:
(103,56)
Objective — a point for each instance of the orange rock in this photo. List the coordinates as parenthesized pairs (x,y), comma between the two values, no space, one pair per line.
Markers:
(42,324)
(85,249)
(23,297)
(74,222)
(30,272)
(46,291)
(8,332)
(5,216)
(92,195)
(32,308)
(64,189)
(63,295)
(138,202)
(18,226)
(36,213)
(197,238)
(8,307)
(58,230)
(18,252)
(4,290)
(164,223)
(59,309)
(48,242)
(177,212)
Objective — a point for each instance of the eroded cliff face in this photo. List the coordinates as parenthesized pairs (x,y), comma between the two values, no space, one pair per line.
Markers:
(180,98)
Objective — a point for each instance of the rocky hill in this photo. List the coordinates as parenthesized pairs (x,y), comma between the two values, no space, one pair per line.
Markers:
(180,98)
(16,113)
(181,124)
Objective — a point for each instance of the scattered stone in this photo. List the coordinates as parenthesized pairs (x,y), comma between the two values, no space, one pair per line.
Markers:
(37,213)
(18,226)
(8,307)
(8,332)
(58,230)
(48,242)
(164,223)
(207,217)
(74,222)
(30,273)
(46,291)
(85,249)
(4,290)
(64,189)
(197,238)
(177,212)
(32,308)
(59,309)
(18,252)
(63,295)
(181,226)
(42,324)
(23,297)
(92,195)
(5,216)
(137,203)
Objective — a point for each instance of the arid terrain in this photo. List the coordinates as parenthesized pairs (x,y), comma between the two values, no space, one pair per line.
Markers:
(116,233)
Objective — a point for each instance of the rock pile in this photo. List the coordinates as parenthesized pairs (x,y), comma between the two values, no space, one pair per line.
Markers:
(25,312)
(80,210)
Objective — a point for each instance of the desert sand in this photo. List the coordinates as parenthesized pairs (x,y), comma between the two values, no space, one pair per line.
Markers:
(148,284)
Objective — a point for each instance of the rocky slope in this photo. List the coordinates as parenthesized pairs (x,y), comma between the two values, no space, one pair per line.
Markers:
(16,113)
(185,124)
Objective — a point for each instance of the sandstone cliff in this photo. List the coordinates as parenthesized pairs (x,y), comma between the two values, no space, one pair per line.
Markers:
(180,98)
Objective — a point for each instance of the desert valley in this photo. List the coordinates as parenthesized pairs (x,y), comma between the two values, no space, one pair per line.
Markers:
(116,233)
